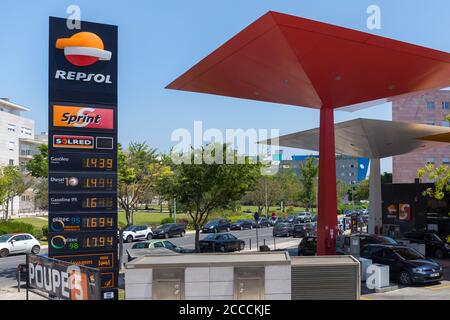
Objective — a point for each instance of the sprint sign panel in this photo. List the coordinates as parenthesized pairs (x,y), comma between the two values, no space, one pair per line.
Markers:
(83,117)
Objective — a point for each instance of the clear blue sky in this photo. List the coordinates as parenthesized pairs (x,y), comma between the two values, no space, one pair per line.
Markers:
(159,40)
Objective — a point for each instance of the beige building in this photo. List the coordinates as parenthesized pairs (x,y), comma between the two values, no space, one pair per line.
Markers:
(430,108)
(18,144)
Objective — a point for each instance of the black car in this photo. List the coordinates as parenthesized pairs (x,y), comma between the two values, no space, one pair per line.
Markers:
(216,226)
(170,230)
(308,246)
(303,230)
(434,245)
(406,265)
(242,224)
(283,229)
(225,242)
(364,240)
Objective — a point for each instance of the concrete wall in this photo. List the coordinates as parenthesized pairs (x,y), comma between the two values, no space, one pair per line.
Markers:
(210,283)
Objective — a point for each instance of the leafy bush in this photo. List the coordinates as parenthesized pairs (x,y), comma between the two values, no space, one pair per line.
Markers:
(45,231)
(7,227)
(290,210)
(38,234)
(167,220)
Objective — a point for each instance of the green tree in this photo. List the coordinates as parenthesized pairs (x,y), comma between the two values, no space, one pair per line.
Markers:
(139,172)
(308,178)
(342,188)
(38,165)
(386,178)
(266,187)
(362,191)
(203,188)
(12,184)
(38,169)
(441,177)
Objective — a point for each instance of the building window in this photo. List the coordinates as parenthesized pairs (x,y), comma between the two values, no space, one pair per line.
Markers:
(11,128)
(431,105)
(446,161)
(446,105)
(11,162)
(430,161)
(11,146)
(26,131)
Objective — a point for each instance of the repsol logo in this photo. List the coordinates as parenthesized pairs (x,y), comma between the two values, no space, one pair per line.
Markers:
(82,77)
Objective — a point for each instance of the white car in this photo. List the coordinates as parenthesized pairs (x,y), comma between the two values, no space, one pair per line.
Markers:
(134,233)
(18,243)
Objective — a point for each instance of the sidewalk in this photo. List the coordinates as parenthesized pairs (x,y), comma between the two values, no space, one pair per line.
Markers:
(12,294)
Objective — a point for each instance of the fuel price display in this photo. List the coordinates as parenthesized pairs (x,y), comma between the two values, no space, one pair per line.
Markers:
(82,222)
(66,243)
(86,202)
(83,182)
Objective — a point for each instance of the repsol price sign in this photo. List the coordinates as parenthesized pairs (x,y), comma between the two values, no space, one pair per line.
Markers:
(66,243)
(63,280)
(82,122)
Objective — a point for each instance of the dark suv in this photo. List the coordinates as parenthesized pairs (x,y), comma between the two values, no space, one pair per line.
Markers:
(170,230)
(434,245)
(283,229)
(215,226)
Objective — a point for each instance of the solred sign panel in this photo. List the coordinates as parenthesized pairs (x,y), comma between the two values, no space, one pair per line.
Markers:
(83,148)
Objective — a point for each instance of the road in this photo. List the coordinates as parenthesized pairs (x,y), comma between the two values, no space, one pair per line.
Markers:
(8,265)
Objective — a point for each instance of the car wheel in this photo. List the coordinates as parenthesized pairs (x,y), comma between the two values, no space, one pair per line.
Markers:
(183,233)
(405,278)
(228,229)
(35,250)
(241,246)
(222,248)
(438,254)
(215,230)
(4,253)
(130,239)
(242,228)
(166,236)
(149,236)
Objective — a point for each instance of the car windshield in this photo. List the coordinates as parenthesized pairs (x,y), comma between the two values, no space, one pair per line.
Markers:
(5,238)
(211,223)
(434,237)
(165,226)
(408,254)
(131,228)
(211,237)
(387,240)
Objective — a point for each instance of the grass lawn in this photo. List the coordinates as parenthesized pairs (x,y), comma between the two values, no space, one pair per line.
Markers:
(37,223)
(149,218)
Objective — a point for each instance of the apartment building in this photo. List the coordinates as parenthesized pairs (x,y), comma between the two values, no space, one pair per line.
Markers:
(18,144)
(430,108)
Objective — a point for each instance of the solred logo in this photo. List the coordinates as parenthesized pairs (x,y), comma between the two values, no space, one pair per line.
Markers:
(73,142)
(84,49)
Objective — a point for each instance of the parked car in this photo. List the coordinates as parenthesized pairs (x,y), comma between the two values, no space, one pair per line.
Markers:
(283,229)
(406,265)
(365,239)
(304,217)
(303,230)
(134,233)
(18,243)
(242,224)
(225,242)
(216,226)
(308,246)
(145,247)
(263,223)
(170,230)
(434,245)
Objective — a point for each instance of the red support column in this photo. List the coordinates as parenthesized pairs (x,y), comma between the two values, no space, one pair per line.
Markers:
(327,198)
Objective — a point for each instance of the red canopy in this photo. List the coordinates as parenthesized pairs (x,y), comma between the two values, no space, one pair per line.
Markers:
(296,61)
(290,60)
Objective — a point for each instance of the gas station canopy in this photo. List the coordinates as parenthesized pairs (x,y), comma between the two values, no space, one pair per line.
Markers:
(291,60)
(374,139)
